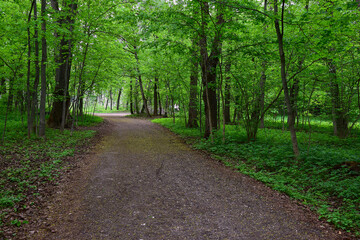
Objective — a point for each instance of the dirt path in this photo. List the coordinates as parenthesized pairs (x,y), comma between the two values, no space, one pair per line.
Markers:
(144,183)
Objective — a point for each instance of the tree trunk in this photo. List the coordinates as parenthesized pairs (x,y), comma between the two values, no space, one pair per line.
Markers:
(263,78)
(141,84)
(193,111)
(136,95)
(339,112)
(34,102)
(62,75)
(208,68)
(43,71)
(107,103)
(30,121)
(160,107)
(118,100)
(291,119)
(111,100)
(227,94)
(156,97)
(131,98)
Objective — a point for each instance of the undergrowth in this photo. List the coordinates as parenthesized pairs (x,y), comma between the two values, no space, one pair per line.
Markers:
(27,165)
(326,176)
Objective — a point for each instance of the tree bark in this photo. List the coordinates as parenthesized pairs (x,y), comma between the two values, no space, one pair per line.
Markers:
(62,75)
(34,89)
(111,100)
(118,100)
(339,111)
(43,71)
(156,96)
(131,98)
(290,114)
(160,107)
(30,122)
(193,111)
(140,83)
(208,68)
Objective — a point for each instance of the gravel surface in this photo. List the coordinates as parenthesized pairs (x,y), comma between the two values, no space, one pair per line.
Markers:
(143,182)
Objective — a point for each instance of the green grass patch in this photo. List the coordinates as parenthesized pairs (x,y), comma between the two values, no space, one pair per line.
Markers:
(323,177)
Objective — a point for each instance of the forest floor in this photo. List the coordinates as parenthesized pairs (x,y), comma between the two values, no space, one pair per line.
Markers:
(143,182)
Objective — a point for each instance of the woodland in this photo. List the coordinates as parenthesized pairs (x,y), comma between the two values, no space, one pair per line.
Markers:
(270,87)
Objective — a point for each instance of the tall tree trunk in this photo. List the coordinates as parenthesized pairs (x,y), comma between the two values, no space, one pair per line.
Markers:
(131,98)
(34,101)
(156,96)
(30,121)
(62,75)
(290,114)
(193,111)
(136,97)
(43,70)
(140,83)
(111,100)
(263,78)
(160,107)
(118,100)
(208,67)
(339,111)
(107,103)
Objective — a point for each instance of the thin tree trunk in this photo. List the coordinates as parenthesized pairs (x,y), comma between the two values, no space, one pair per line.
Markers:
(160,107)
(263,78)
(43,71)
(118,100)
(34,101)
(141,84)
(156,96)
(193,112)
(111,100)
(28,93)
(131,98)
(280,35)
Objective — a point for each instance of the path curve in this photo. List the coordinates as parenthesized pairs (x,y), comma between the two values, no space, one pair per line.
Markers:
(145,183)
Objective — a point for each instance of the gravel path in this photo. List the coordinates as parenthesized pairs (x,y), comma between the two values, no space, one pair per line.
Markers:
(143,182)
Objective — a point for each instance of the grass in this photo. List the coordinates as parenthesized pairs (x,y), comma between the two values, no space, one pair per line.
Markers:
(29,164)
(320,178)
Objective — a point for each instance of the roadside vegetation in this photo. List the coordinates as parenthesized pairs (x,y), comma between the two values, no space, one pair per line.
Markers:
(29,165)
(325,177)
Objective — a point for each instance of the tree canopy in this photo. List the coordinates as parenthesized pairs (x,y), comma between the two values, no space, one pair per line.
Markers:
(212,62)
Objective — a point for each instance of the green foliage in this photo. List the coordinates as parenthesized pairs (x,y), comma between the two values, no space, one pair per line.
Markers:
(28,164)
(318,178)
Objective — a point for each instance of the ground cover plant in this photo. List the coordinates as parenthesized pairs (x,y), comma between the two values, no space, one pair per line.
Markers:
(326,176)
(29,165)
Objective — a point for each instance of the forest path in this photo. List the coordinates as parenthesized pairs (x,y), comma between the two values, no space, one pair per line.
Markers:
(143,182)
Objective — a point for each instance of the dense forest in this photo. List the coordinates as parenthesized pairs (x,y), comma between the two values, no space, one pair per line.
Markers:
(224,68)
